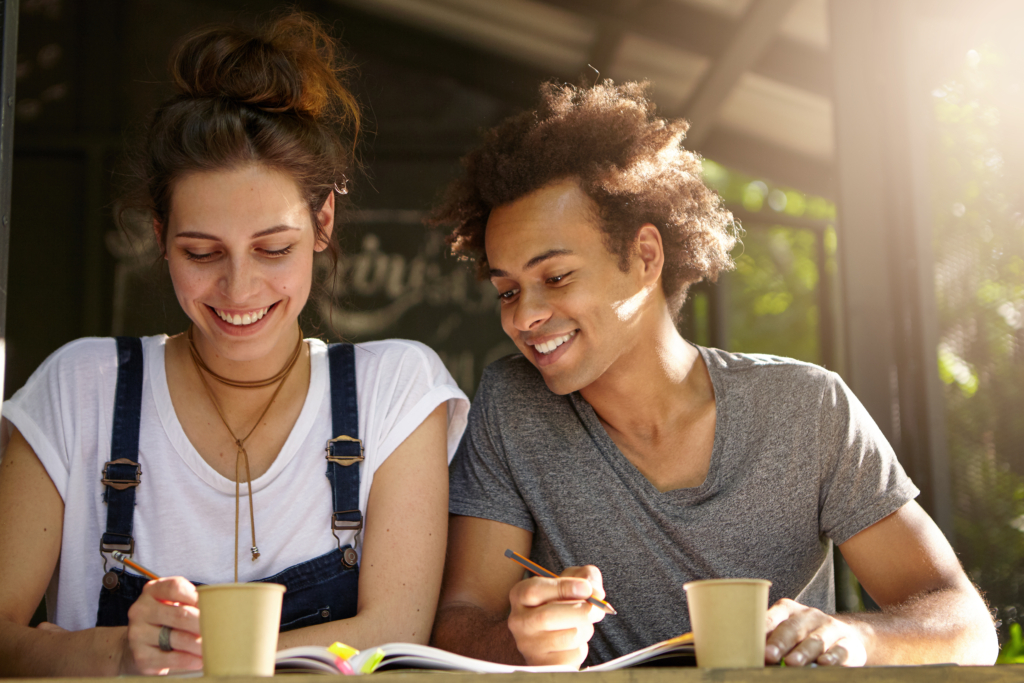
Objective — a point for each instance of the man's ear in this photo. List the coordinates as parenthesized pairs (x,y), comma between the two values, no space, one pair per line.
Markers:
(160,230)
(325,216)
(650,253)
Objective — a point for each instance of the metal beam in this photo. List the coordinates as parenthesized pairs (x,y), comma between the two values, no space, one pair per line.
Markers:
(516,83)
(707,34)
(419,49)
(756,30)
(748,154)
(887,277)
(610,34)
(8,64)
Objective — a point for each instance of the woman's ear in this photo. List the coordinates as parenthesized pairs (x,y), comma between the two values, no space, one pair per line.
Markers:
(325,217)
(160,230)
(650,252)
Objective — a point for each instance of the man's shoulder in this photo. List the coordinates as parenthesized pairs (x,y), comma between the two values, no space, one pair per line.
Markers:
(513,373)
(513,385)
(754,369)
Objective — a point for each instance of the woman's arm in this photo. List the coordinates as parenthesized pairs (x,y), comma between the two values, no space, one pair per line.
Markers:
(403,547)
(33,519)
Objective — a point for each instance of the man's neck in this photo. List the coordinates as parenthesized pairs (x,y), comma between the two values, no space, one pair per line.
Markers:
(648,391)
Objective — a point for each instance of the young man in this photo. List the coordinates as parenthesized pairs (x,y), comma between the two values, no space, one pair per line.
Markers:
(618,452)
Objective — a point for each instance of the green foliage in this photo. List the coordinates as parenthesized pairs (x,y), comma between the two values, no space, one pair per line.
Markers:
(773,293)
(1012,651)
(773,305)
(977,168)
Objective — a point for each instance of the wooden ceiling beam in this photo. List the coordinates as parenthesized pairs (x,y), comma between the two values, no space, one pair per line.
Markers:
(757,29)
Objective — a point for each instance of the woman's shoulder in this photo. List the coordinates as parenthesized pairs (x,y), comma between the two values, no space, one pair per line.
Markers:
(403,355)
(88,357)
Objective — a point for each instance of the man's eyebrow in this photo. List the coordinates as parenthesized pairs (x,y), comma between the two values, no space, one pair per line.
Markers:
(194,234)
(536,260)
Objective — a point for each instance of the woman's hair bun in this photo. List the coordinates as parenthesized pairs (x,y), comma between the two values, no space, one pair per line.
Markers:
(288,65)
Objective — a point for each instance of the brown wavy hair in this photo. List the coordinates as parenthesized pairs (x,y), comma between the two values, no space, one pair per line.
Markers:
(274,96)
(626,159)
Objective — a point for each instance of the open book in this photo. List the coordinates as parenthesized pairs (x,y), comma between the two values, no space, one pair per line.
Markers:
(412,656)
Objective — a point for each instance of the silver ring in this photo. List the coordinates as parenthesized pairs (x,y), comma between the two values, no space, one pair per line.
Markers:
(164,639)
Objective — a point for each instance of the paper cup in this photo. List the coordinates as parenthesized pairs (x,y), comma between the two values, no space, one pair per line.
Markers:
(239,623)
(728,621)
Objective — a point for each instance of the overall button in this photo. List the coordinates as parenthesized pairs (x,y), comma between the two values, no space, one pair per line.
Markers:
(110,580)
(349,558)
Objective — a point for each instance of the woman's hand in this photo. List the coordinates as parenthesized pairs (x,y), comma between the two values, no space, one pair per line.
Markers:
(169,602)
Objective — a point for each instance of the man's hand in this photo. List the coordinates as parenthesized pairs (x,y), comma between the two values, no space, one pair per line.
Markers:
(551,620)
(801,635)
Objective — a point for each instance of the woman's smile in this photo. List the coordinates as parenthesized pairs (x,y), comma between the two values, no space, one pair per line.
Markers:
(240,245)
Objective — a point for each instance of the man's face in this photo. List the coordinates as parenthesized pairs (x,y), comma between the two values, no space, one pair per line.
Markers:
(564,300)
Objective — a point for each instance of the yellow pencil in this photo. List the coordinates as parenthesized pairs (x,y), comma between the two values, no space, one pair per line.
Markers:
(121,557)
(540,571)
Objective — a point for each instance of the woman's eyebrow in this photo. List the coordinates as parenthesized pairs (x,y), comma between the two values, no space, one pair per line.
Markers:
(274,230)
(194,234)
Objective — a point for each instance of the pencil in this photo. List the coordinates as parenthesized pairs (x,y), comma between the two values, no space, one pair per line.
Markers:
(121,557)
(532,566)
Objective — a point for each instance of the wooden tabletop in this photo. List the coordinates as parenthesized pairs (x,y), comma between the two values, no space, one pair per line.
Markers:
(1012,673)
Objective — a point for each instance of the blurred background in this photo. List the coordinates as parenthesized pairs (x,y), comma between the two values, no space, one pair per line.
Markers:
(872,150)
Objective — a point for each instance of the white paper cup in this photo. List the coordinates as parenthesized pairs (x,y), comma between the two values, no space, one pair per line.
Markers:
(239,623)
(728,621)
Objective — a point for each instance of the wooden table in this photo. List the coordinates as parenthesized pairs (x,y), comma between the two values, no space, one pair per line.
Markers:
(1013,673)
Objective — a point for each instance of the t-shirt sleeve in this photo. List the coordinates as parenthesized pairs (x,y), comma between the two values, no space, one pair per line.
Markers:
(57,410)
(405,382)
(481,481)
(862,481)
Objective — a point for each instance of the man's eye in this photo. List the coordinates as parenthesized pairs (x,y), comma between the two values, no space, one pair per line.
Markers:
(507,296)
(558,278)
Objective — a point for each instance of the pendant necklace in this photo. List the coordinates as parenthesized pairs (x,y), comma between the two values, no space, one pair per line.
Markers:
(241,456)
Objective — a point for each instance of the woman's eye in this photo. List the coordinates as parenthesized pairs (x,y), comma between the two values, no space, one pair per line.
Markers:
(192,256)
(278,252)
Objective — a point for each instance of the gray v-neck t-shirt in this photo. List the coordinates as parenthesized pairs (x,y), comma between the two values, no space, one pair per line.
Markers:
(797,465)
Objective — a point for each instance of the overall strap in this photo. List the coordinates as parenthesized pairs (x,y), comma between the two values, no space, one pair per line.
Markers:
(345,450)
(122,474)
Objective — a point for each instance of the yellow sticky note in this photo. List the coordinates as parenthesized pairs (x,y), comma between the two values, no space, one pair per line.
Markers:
(342,650)
(372,662)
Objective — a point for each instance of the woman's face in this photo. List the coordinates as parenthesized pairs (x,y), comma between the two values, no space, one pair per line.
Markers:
(240,244)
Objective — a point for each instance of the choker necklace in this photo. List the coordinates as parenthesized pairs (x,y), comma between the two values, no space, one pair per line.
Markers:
(244,384)
(241,455)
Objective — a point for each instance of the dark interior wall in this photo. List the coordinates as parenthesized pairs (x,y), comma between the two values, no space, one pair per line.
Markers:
(89,74)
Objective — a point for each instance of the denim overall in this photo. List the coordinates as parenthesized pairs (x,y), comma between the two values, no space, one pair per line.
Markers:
(319,590)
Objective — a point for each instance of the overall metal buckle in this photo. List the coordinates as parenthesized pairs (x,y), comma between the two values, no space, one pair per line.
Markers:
(344,460)
(122,484)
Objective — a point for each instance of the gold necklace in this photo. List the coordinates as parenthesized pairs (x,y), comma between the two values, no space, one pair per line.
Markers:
(241,455)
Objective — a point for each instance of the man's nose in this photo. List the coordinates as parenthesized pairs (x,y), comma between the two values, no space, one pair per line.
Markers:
(532,310)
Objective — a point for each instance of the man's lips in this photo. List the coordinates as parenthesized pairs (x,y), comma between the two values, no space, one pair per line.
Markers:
(553,348)
(552,343)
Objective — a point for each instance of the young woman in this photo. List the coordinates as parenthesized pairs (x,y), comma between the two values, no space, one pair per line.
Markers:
(203,455)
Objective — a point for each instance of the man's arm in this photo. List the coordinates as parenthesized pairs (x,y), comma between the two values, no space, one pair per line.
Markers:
(488,611)
(930,611)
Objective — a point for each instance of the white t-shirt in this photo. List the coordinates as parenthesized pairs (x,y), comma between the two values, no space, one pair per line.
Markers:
(185,511)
